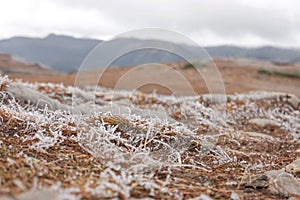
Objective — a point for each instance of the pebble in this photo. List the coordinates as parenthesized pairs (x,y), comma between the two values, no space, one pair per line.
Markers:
(263,122)
(46,195)
(294,101)
(257,181)
(294,167)
(282,183)
(234,196)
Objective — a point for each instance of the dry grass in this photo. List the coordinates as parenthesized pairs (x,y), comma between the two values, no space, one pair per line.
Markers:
(129,156)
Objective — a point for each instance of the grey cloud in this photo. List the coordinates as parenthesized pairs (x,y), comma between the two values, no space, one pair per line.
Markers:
(225,18)
(278,22)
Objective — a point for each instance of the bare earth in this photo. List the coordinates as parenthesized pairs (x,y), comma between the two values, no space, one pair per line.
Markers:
(238,76)
(59,142)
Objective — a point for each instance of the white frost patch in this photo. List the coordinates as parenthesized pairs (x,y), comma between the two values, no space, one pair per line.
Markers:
(136,141)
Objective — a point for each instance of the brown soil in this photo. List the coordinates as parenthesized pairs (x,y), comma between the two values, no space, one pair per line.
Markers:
(238,76)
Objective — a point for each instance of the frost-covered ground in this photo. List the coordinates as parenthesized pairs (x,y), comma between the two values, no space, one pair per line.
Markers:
(70,143)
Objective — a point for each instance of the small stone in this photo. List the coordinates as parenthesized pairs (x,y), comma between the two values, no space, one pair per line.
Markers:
(231,183)
(294,167)
(282,183)
(264,122)
(258,136)
(255,181)
(234,196)
(36,194)
(204,197)
(294,101)
(7,198)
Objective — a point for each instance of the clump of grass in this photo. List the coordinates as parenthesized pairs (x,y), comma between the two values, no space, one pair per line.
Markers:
(293,74)
(4,83)
(265,71)
(196,64)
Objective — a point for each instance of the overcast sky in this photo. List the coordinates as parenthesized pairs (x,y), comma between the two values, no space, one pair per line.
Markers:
(211,22)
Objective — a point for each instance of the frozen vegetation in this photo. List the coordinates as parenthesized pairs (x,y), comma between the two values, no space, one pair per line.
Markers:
(99,143)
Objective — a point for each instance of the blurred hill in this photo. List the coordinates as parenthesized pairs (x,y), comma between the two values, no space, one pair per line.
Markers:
(14,65)
(61,53)
(65,53)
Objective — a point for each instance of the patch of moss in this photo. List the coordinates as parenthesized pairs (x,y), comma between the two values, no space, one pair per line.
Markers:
(293,74)
(196,64)
(265,71)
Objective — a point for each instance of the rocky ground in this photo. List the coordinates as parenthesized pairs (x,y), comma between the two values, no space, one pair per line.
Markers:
(61,142)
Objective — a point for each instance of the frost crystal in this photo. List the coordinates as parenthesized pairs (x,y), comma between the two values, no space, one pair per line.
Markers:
(137,141)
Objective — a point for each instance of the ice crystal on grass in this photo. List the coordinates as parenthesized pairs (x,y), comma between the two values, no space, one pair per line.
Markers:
(140,151)
(280,112)
(131,140)
(4,82)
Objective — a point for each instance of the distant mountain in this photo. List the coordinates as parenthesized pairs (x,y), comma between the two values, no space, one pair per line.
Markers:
(61,53)
(10,64)
(269,53)
(65,53)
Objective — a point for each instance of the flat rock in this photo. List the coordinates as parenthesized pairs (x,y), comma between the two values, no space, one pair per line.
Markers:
(258,181)
(215,98)
(145,113)
(261,122)
(278,182)
(254,136)
(34,194)
(24,93)
(282,183)
(294,167)
(293,100)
